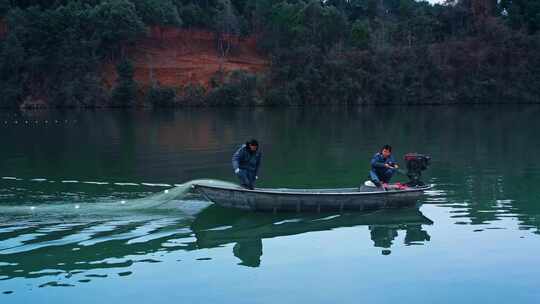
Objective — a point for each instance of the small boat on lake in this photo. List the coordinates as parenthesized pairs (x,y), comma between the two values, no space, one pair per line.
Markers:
(317,200)
(366,197)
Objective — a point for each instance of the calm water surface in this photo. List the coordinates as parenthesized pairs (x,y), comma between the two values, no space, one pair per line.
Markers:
(82,220)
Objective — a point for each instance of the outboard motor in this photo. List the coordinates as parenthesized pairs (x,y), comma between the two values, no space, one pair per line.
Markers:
(416,163)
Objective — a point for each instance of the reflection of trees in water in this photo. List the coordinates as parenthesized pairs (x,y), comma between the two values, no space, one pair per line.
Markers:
(489,195)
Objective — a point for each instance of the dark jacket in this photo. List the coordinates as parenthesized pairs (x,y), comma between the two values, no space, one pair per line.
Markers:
(378,161)
(244,159)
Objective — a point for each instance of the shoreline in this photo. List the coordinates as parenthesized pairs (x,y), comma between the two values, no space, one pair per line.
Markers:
(262,106)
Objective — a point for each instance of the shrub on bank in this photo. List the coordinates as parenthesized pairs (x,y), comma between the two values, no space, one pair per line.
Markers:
(161,96)
(238,89)
(192,95)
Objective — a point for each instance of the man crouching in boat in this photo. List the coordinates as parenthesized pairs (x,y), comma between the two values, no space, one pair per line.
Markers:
(383,166)
(246,162)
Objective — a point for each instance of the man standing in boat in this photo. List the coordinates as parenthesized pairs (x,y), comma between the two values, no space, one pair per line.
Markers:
(383,166)
(246,161)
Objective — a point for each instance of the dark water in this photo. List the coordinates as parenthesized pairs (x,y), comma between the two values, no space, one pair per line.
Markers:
(66,235)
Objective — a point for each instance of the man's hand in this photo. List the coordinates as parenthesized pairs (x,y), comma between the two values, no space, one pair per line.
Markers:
(237,171)
(256,177)
(391,166)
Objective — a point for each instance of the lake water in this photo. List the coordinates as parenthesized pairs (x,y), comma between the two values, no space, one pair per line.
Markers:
(80,221)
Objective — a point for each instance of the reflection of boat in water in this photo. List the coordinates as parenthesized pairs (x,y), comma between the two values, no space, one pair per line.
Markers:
(104,246)
(217,226)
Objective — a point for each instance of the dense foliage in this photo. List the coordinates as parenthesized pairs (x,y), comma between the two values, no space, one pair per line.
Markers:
(329,52)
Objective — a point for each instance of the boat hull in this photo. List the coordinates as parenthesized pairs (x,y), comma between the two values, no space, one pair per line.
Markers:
(297,200)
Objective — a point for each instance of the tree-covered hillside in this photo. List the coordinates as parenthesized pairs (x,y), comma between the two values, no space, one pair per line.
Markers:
(321,52)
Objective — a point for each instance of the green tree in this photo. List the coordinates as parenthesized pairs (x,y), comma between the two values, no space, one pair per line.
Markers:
(522,14)
(125,91)
(5,6)
(192,16)
(227,28)
(360,34)
(158,13)
(12,72)
(117,24)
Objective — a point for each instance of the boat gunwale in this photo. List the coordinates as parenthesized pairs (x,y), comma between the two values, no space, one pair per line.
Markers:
(277,192)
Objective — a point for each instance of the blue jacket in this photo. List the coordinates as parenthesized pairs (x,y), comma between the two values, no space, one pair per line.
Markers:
(378,161)
(245,160)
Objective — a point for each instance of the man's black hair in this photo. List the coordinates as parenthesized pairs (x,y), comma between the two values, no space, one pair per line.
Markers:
(252,142)
(387,147)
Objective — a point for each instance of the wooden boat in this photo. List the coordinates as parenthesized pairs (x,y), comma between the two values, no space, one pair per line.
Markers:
(317,200)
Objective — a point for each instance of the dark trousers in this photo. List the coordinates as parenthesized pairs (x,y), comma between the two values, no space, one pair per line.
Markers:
(247,178)
(383,176)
